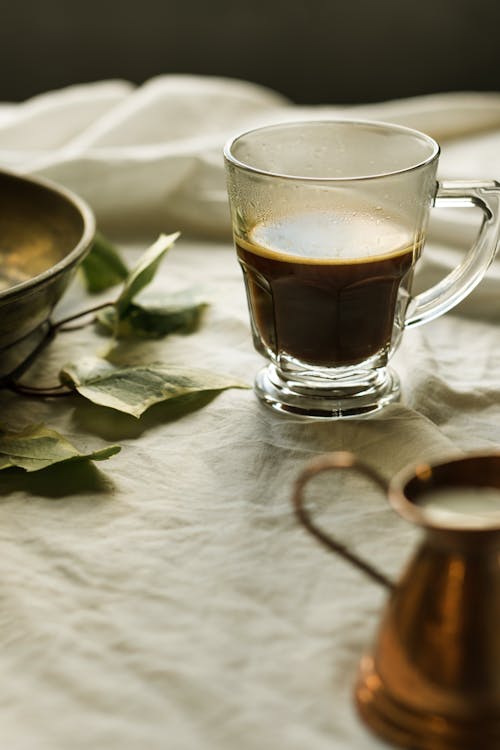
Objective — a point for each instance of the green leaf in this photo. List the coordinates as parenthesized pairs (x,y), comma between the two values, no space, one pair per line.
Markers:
(144,271)
(133,389)
(154,318)
(103,267)
(37,447)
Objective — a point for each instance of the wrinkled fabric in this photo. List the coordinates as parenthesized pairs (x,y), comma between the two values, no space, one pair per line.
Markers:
(149,157)
(167,598)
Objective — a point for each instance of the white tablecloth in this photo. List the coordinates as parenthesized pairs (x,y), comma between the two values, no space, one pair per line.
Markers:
(167,598)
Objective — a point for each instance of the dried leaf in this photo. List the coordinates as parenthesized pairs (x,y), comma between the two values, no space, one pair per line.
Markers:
(154,318)
(103,267)
(144,271)
(133,389)
(37,447)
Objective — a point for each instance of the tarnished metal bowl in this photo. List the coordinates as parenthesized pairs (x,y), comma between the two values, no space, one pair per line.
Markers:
(45,232)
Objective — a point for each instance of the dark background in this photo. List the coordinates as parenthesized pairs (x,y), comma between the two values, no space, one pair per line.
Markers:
(314,51)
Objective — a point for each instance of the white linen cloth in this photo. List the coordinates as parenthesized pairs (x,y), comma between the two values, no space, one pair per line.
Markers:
(167,599)
(150,156)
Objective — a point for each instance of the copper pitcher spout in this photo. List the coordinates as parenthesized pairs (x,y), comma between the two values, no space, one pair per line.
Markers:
(432,679)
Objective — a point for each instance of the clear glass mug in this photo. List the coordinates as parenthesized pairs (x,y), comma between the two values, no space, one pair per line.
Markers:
(329,219)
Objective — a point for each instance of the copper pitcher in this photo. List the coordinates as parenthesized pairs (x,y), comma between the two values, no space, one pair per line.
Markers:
(432,679)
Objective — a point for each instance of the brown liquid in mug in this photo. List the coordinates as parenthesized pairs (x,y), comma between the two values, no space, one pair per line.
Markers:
(321,289)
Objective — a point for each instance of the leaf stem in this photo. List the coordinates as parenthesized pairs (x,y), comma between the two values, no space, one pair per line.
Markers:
(12,383)
(61,325)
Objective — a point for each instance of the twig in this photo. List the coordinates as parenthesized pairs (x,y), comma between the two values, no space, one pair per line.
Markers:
(12,383)
(60,325)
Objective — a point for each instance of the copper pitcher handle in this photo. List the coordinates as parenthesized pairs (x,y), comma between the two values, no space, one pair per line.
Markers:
(337,460)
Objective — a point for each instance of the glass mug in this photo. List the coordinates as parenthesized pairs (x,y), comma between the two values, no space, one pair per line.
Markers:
(329,219)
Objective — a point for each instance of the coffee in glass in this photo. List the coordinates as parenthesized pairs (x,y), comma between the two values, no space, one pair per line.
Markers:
(329,219)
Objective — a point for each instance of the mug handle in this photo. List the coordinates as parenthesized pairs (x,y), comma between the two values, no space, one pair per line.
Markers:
(337,460)
(462,280)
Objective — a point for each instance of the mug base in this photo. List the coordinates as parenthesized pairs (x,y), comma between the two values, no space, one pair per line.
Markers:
(342,398)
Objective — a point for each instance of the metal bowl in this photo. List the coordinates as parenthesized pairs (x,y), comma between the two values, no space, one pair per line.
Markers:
(45,232)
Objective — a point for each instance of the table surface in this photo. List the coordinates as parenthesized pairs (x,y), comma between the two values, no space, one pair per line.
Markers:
(167,598)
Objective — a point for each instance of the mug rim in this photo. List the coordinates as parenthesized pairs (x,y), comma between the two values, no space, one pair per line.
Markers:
(354,122)
(423,472)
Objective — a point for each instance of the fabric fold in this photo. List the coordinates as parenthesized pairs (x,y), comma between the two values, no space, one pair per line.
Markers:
(149,158)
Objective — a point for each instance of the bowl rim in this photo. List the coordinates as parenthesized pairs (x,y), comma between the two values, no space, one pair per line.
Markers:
(76,253)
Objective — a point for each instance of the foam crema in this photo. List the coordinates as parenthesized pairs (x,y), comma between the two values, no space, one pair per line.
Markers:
(331,237)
